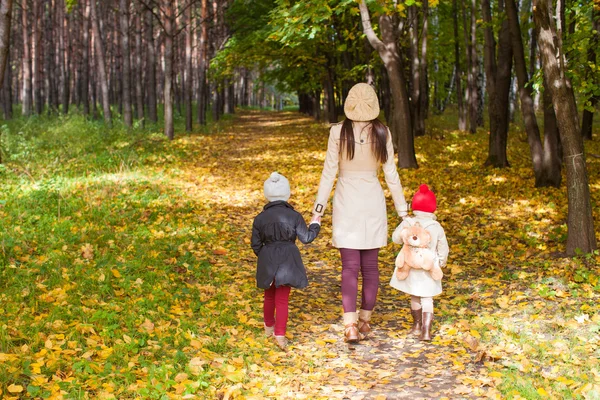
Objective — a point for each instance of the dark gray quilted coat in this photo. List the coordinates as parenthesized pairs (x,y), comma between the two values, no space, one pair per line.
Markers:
(274,234)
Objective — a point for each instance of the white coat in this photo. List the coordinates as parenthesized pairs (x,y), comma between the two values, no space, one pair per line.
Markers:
(419,282)
(359,217)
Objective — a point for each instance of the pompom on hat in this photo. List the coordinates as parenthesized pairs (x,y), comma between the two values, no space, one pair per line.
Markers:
(424,200)
(277,187)
(361,103)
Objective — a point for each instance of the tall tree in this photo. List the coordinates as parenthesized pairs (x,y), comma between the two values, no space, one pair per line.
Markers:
(85,54)
(126,62)
(101,63)
(462,117)
(498,79)
(5,22)
(169,31)
(580,222)
(27,95)
(387,48)
(188,82)
(202,63)
(139,93)
(546,168)
(150,66)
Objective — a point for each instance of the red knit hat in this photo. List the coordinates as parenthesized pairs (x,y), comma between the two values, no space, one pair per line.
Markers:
(424,200)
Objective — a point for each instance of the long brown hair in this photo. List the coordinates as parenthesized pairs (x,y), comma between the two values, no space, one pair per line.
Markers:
(378,135)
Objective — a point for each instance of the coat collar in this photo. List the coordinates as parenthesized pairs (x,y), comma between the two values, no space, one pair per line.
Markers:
(424,215)
(277,203)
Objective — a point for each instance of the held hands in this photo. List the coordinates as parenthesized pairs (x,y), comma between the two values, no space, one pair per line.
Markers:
(316,219)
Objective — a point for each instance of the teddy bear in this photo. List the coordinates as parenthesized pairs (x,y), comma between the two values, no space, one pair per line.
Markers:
(416,254)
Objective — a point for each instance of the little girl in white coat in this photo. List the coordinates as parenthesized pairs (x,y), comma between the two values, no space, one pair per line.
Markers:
(419,283)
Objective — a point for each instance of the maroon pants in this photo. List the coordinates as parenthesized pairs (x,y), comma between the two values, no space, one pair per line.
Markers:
(275,308)
(366,262)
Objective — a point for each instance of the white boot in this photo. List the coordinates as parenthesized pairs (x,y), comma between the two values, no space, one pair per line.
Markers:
(269,330)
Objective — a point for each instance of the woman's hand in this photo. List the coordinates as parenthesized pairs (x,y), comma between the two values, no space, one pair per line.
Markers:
(316,219)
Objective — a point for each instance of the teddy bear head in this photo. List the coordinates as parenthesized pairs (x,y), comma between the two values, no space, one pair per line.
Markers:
(415,236)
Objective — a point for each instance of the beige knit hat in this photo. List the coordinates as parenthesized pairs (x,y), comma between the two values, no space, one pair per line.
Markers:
(362,103)
(277,187)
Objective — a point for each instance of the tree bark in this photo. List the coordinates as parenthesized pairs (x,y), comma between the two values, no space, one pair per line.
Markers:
(202,63)
(85,78)
(27,96)
(139,92)
(580,222)
(168,23)
(471,49)
(188,82)
(424,91)
(462,117)
(151,68)
(100,61)
(64,60)
(415,71)
(5,22)
(552,147)
(36,57)
(388,51)
(125,57)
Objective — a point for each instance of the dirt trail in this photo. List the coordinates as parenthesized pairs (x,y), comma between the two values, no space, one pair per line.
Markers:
(389,365)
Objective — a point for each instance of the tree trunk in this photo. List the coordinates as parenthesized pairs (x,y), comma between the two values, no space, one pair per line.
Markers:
(330,92)
(471,49)
(64,60)
(526,99)
(36,57)
(85,78)
(139,92)
(5,22)
(202,63)
(580,222)
(424,91)
(388,51)
(7,95)
(27,96)
(552,147)
(100,61)
(125,57)
(498,83)
(151,68)
(415,71)
(168,60)
(188,82)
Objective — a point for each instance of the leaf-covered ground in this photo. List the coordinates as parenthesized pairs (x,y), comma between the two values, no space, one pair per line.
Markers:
(126,272)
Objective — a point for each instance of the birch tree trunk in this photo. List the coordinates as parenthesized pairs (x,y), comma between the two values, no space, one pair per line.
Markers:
(580,222)
(387,48)
(100,61)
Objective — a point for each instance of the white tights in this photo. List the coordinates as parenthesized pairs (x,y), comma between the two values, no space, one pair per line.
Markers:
(416,303)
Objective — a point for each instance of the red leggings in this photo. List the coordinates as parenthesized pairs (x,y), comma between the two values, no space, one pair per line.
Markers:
(276,302)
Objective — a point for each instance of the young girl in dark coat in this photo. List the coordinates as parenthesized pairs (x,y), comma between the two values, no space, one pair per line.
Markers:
(280,266)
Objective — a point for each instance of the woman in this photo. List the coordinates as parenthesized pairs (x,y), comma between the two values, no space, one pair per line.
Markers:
(357,148)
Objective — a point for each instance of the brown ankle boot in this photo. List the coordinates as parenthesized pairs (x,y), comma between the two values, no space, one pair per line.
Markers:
(426,329)
(351,334)
(364,328)
(417,321)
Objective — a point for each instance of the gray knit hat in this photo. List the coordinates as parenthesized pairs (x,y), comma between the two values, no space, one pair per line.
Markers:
(277,187)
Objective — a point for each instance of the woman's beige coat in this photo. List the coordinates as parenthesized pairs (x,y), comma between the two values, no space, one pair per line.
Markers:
(359,217)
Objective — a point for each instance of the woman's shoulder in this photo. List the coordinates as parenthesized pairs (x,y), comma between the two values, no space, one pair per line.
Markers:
(335,130)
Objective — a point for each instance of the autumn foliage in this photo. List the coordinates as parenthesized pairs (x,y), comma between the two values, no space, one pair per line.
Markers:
(126,271)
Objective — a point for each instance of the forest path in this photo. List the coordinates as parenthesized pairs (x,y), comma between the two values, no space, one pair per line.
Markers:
(390,364)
